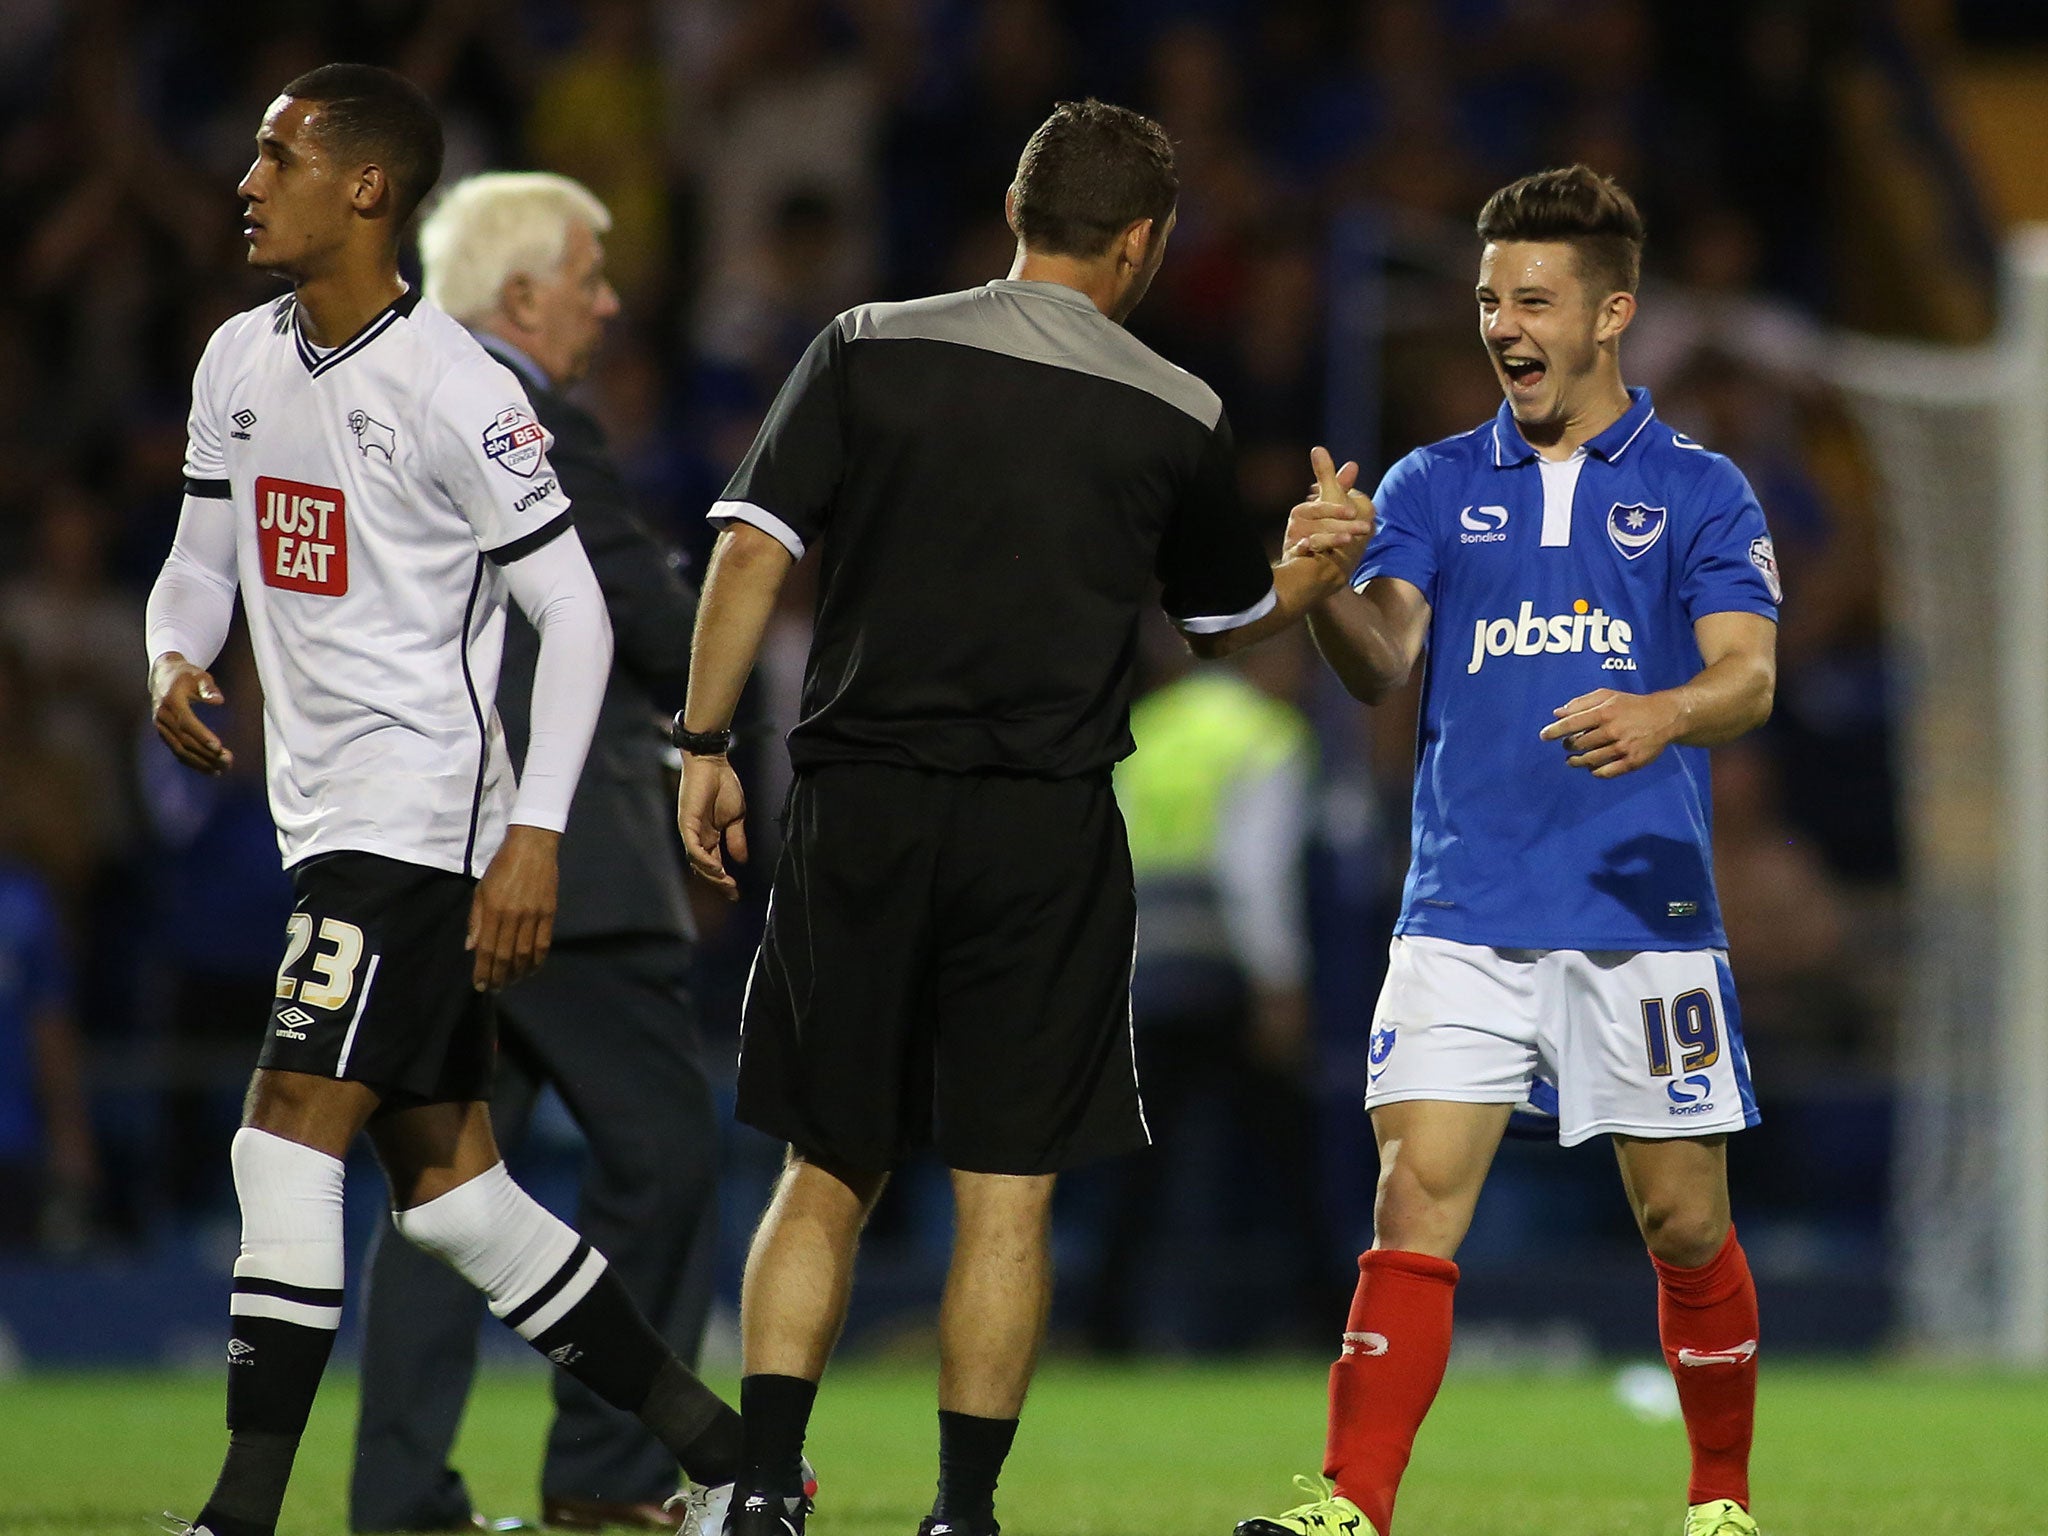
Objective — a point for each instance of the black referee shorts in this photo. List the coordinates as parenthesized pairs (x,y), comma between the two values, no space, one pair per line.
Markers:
(947,962)
(376,985)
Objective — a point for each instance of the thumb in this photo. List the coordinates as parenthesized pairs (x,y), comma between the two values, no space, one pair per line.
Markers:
(208,690)
(1325,467)
(476,921)
(699,840)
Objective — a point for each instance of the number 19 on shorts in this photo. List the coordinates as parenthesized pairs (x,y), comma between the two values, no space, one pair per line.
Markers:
(1688,1028)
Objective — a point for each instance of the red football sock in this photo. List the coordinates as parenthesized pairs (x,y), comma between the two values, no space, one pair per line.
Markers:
(1708,1322)
(1396,1343)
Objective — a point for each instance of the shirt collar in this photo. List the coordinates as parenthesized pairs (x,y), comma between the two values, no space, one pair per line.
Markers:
(513,358)
(1511,448)
(1059,293)
(319,362)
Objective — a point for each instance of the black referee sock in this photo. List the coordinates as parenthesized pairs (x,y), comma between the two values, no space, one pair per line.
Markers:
(971,1455)
(774,1413)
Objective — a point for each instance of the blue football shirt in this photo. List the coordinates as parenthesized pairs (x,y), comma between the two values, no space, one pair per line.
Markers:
(1545,581)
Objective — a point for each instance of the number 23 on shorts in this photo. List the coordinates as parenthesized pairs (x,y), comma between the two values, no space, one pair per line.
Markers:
(333,964)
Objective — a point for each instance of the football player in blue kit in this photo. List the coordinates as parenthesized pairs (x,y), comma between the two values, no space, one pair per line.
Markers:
(1597,596)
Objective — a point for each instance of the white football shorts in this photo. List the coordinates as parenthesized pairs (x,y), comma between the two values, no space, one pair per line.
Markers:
(1641,1042)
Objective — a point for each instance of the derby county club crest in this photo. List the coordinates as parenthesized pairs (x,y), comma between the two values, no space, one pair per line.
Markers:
(1634,528)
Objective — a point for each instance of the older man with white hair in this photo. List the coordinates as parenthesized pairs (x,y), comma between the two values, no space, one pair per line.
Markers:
(608,1020)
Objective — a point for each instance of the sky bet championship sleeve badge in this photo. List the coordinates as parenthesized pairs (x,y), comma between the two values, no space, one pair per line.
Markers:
(1763,554)
(1634,527)
(516,441)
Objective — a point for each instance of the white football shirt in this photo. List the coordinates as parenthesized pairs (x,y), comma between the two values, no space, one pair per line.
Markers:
(376,491)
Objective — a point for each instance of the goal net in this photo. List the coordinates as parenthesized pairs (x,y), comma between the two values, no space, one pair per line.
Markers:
(1960,442)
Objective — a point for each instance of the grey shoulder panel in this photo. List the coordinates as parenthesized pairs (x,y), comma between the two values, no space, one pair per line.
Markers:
(1037,323)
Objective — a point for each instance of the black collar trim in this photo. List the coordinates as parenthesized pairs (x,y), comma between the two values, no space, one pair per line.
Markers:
(381,322)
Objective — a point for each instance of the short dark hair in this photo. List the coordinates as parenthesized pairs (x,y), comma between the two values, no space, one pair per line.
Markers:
(1090,172)
(378,117)
(1579,207)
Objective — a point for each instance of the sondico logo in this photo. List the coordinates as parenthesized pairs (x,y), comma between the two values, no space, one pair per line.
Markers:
(1532,634)
(1483,525)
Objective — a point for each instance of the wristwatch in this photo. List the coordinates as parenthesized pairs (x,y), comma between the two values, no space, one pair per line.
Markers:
(699,743)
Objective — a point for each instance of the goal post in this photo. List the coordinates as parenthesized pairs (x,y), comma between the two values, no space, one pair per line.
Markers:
(1959,438)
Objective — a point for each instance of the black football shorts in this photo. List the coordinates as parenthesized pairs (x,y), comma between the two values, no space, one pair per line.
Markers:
(947,962)
(375,985)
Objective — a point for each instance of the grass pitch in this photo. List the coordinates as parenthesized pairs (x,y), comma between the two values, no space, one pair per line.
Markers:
(1149,1451)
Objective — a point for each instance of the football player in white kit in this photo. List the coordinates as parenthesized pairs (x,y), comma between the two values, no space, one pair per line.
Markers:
(1598,598)
(375,486)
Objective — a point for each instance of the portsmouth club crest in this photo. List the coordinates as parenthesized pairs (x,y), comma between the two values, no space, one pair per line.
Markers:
(1635,527)
(1381,1048)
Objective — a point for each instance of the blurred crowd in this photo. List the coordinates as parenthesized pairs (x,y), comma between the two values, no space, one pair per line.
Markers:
(769,162)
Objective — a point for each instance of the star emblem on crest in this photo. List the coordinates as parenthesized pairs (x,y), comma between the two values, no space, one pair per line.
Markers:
(1635,526)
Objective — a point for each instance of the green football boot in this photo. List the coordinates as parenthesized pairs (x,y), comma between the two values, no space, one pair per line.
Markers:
(1327,1513)
(1719,1517)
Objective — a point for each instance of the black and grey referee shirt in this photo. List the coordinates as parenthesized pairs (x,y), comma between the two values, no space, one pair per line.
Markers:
(995,478)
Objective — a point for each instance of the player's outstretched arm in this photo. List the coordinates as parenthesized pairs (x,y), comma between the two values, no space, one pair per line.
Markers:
(1610,733)
(1325,536)
(740,589)
(1371,639)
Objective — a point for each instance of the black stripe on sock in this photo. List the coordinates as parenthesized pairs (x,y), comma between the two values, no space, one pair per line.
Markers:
(284,1290)
(547,1293)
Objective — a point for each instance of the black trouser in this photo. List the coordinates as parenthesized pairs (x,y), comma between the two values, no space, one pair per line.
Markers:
(611,1026)
(1262,1200)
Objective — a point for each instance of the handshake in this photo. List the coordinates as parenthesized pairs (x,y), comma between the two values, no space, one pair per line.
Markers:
(1335,521)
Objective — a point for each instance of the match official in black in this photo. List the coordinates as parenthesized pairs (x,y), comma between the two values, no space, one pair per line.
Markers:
(995,478)
(608,1020)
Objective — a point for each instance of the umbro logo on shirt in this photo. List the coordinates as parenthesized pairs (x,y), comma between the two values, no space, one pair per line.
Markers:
(243,419)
